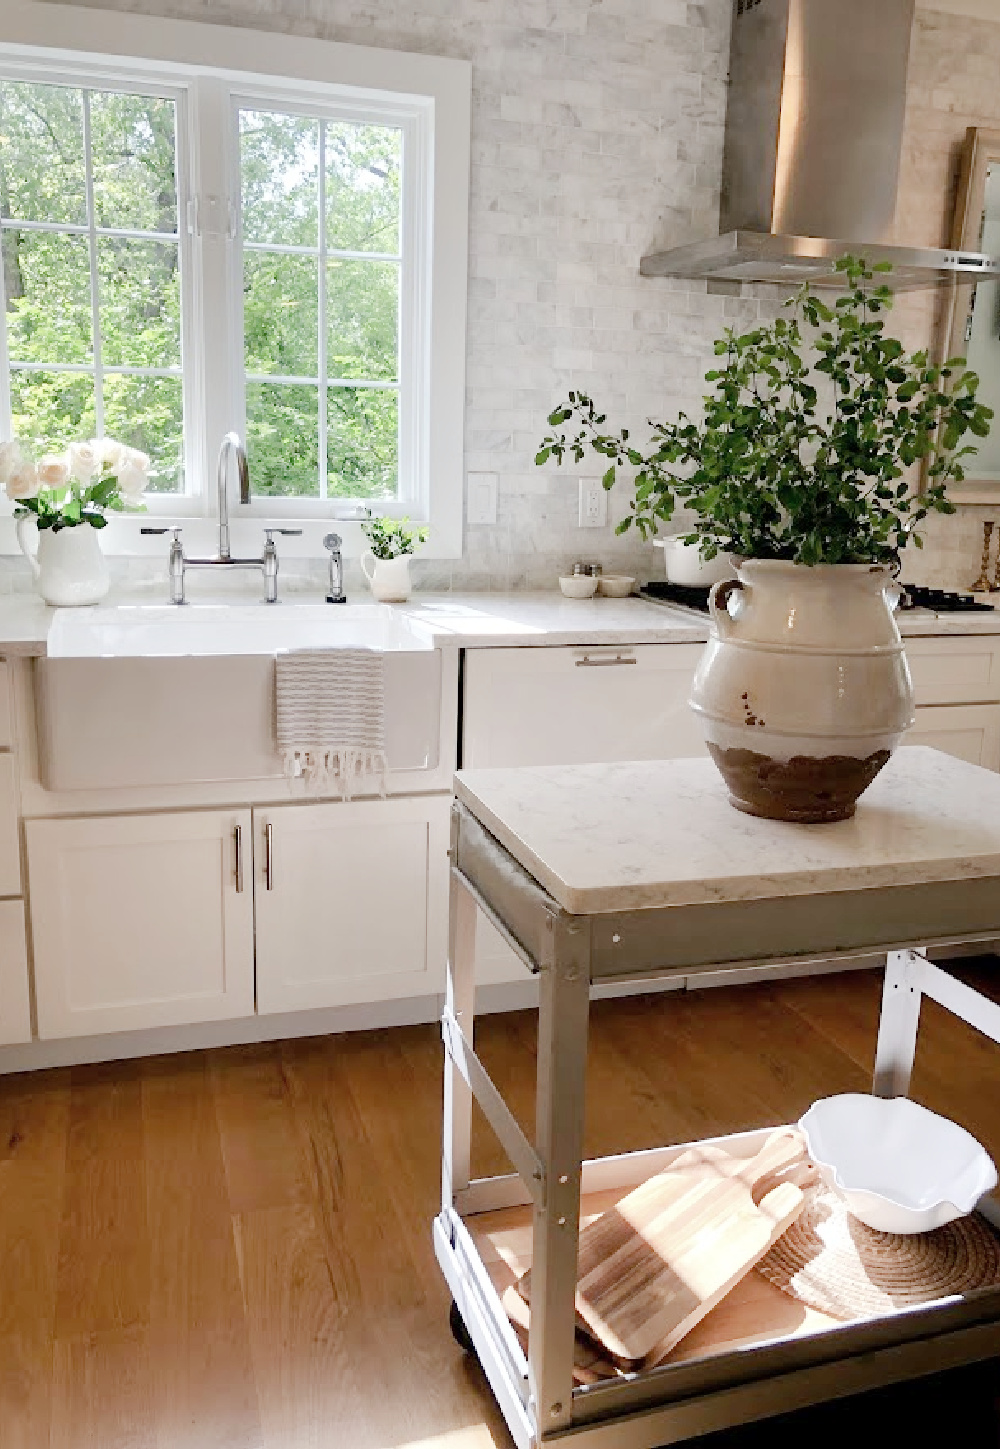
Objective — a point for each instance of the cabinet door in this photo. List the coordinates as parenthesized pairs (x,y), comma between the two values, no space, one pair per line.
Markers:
(351,901)
(141,921)
(15,1013)
(579,706)
(967,731)
(10,855)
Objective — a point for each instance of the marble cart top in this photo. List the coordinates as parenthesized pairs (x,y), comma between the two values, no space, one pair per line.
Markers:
(625,837)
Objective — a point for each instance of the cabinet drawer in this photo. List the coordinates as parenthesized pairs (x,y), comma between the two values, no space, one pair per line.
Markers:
(967,731)
(15,1013)
(955,670)
(579,706)
(6,723)
(10,856)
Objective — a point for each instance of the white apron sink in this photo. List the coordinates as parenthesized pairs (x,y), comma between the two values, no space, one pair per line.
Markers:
(158,695)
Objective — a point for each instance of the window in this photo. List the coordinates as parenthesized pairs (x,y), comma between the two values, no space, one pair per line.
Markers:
(322,267)
(188,249)
(91,268)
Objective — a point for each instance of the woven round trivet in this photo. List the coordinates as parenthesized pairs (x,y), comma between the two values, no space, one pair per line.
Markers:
(829,1260)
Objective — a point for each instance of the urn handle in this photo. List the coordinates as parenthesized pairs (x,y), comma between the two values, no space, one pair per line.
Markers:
(718,604)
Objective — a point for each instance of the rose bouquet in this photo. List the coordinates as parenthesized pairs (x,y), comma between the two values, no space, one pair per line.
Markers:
(82,485)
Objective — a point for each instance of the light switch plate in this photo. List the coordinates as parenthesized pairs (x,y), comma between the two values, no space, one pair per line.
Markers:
(593,503)
(482,497)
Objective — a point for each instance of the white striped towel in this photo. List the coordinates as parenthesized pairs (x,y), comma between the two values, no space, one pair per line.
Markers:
(331,716)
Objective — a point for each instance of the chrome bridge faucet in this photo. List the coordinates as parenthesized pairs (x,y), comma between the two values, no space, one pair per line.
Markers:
(178,564)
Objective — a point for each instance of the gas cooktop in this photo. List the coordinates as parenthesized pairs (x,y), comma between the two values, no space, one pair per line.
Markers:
(936,601)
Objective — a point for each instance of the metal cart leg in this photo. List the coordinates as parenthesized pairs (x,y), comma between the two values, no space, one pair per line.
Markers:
(898,1023)
(461,1001)
(559,1110)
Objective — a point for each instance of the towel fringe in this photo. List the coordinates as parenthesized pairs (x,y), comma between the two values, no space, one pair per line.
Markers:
(344,767)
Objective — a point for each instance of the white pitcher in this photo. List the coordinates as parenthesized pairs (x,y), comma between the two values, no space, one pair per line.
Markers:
(388,578)
(69,567)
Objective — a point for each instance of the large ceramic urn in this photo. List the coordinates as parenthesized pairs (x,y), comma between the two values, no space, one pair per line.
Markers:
(803,690)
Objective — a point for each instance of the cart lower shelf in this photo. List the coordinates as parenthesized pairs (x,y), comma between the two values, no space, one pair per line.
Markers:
(756,1328)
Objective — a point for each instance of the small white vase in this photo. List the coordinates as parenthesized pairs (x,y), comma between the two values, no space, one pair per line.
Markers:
(388,578)
(804,690)
(69,567)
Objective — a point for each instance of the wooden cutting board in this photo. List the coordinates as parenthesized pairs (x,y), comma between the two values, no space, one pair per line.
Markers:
(655,1265)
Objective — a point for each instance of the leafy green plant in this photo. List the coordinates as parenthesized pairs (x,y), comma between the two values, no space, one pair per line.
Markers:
(773,473)
(392,537)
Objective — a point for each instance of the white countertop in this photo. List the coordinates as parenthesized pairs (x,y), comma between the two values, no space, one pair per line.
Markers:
(625,837)
(478,621)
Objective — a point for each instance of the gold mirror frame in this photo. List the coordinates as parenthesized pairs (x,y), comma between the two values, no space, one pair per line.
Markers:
(981,149)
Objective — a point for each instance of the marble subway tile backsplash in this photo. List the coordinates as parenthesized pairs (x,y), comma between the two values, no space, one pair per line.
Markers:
(597,136)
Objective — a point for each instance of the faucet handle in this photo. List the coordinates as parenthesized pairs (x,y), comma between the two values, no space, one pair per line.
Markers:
(287,532)
(174,528)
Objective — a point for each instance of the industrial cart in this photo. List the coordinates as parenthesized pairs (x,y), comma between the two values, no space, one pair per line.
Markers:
(640,871)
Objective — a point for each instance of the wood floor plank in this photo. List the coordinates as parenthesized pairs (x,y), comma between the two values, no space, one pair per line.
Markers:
(300,1335)
(360,1217)
(34,1114)
(103,1282)
(204,1391)
(101,1392)
(263,1166)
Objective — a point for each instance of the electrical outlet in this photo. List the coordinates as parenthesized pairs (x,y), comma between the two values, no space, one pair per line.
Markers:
(482,497)
(593,503)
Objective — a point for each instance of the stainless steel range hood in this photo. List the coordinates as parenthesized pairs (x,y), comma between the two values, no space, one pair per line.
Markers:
(814,129)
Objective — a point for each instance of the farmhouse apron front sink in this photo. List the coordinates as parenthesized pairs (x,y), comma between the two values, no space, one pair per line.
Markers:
(157,695)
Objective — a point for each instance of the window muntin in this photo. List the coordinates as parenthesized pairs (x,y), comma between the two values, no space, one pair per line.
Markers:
(91,267)
(323,290)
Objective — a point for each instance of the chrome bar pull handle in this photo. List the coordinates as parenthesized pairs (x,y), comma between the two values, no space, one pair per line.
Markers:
(238,853)
(268,857)
(601,661)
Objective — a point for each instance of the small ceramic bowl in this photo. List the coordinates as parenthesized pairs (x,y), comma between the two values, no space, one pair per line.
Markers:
(898,1167)
(615,586)
(579,586)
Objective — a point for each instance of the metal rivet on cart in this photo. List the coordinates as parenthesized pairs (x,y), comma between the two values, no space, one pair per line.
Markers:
(615,938)
(564,1179)
(562,1222)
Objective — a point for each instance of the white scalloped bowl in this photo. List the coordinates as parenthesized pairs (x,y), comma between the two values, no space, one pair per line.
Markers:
(898,1167)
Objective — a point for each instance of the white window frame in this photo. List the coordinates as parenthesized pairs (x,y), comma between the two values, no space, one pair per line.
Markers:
(209,71)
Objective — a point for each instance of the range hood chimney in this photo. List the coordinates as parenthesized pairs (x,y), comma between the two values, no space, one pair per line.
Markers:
(814,130)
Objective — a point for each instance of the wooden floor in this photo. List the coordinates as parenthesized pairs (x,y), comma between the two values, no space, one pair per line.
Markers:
(232,1249)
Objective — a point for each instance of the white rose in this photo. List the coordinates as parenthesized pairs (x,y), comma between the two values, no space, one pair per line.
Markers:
(22,481)
(11,458)
(53,472)
(83,461)
(132,480)
(109,453)
(138,459)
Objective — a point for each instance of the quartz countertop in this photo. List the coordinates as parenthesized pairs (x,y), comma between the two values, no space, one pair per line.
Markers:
(482,621)
(623,837)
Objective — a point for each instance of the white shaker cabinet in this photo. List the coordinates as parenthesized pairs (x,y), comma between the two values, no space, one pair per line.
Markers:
(15,1011)
(351,901)
(141,921)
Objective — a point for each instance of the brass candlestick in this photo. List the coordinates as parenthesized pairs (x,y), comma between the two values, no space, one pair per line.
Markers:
(983,584)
